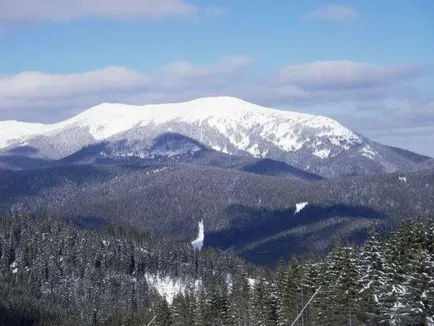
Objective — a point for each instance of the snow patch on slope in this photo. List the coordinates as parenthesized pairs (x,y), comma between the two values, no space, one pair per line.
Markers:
(167,287)
(299,207)
(198,242)
(322,153)
(368,152)
(14,267)
(220,149)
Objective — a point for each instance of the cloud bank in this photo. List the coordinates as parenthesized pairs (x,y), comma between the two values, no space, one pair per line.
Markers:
(305,84)
(25,11)
(345,75)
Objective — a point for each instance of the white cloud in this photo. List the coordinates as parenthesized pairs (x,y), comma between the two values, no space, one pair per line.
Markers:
(332,12)
(321,82)
(343,74)
(32,85)
(18,11)
(35,90)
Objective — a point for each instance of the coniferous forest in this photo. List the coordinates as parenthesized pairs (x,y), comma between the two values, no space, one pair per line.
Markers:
(54,272)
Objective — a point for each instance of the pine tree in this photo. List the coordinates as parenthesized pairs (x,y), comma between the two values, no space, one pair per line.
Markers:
(370,265)
(239,301)
(182,309)
(347,287)
(163,313)
(203,315)
(286,296)
(263,306)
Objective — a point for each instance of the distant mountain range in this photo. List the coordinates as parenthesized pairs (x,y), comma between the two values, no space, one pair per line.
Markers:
(312,143)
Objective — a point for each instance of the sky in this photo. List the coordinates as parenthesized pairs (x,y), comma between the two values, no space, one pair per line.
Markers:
(368,64)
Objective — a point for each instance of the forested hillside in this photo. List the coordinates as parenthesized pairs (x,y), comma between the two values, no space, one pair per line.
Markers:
(54,272)
(245,213)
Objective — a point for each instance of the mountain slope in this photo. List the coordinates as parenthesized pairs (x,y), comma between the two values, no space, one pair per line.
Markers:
(313,143)
(172,148)
(167,149)
(428,164)
(249,214)
(102,275)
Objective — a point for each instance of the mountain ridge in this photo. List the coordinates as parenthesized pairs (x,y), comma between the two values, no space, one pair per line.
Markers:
(196,110)
(313,143)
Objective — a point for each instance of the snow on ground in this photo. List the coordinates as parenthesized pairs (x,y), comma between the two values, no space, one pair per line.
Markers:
(368,152)
(198,242)
(166,287)
(14,131)
(219,148)
(160,169)
(254,150)
(322,153)
(300,206)
(14,267)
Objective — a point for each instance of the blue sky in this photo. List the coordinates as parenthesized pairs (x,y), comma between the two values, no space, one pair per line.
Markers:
(368,64)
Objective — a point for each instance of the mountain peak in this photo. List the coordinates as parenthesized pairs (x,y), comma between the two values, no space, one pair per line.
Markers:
(203,106)
(231,125)
(221,100)
(239,121)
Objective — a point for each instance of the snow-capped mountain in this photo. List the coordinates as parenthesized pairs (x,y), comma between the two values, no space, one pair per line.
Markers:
(314,143)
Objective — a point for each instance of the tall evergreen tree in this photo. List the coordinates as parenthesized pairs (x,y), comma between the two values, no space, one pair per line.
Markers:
(239,301)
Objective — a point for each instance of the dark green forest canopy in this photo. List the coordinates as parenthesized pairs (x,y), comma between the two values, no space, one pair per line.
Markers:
(249,215)
(53,272)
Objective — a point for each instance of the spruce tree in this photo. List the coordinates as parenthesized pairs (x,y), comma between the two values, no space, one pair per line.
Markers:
(239,301)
